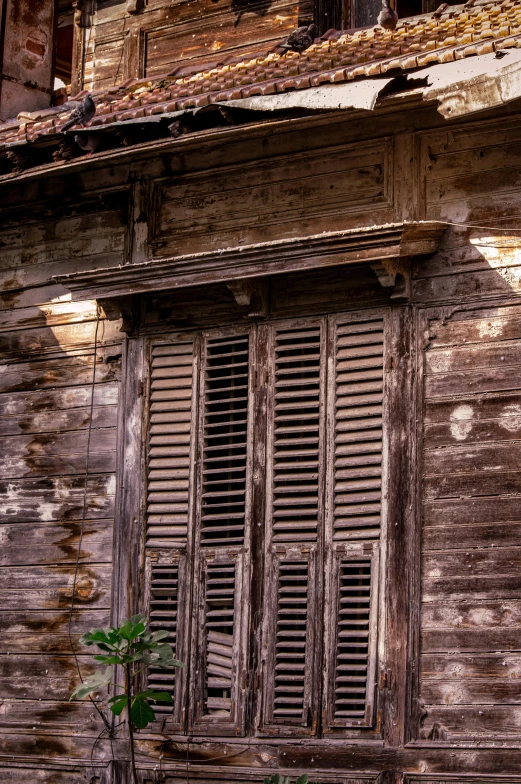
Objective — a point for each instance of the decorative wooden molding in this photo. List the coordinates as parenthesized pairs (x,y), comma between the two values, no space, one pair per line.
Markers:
(252,292)
(395,273)
(373,244)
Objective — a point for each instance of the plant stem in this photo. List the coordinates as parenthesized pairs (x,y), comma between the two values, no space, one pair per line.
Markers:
(130,727)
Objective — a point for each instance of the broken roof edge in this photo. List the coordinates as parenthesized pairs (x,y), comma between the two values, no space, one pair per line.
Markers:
(365,244)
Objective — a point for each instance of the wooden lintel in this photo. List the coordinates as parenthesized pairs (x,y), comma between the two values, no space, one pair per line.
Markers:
(355,246)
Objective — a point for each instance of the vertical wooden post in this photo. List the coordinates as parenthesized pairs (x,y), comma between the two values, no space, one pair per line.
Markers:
(128,528)
(400,526)
(120,772)
(137,237)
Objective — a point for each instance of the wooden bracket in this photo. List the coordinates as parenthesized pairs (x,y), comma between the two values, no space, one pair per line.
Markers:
(395,272)
(79,13)
(134,6)
(119,309)
(252,292)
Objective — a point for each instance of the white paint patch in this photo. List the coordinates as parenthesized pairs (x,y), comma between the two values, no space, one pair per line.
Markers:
(111,485)
(47,512)
(3,368)
(461,422)
(12,492)
(511,418)
(490,329)
(61,489)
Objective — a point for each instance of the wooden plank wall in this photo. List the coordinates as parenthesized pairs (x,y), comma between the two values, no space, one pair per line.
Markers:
(471,613)
(168,35)
(46,374)
(468,331)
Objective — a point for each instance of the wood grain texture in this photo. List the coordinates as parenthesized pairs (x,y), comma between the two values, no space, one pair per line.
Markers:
(307,191)
(161,39)
(470,564)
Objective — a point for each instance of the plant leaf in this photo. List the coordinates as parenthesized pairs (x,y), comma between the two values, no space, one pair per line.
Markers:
(161,634)
(302,779)
(137,630)
(161,696)
(118,704)
(113,659)
(125,630)
(141,713)
(95,682)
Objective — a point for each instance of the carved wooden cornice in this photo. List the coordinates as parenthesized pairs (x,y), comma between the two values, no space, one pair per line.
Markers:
(387,248)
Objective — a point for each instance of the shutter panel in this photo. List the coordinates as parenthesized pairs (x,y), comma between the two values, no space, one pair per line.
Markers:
(218,667)
(170,457)
(225,448)
(353,519)
(295,436)
(357,455)
(290,630)
(169,443)
(295,472)
(222,547)
(353,641)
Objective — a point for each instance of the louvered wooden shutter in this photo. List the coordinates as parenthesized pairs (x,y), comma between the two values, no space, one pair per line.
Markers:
(170,457)
(170,443)
(353,519)
(352,645)
(295,468)
(222,546)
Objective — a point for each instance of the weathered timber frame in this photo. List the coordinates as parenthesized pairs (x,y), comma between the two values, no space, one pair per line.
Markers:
(131,568)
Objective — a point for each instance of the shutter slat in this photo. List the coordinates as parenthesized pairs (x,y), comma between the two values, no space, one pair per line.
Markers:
(169,444)
(296,437)
(352,646)
(288,696)
(223,498)
(163,615)
(358,427)
(219,633)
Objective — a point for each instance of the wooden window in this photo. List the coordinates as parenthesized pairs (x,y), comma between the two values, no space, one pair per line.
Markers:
(315,565)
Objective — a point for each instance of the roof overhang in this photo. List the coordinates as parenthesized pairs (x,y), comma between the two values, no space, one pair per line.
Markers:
(473,84)
(387,248)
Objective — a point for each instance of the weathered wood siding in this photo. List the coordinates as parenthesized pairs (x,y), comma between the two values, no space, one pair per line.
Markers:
(47,363)
(455,553)
(167,36)
(471,623)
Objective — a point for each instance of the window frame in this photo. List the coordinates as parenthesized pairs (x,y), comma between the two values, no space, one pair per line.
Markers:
(394,657)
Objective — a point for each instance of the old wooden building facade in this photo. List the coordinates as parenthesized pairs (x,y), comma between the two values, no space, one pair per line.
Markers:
(261,378)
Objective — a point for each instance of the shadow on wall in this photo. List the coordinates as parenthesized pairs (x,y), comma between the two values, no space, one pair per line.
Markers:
(241,7)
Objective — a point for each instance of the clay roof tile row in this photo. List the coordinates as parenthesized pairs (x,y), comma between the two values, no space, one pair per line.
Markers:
(478,27)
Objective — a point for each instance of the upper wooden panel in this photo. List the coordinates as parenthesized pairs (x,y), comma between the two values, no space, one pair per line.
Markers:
(274,199)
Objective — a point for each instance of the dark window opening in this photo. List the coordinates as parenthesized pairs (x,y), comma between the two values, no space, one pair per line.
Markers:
(64,44)
(364,13)
(407,8)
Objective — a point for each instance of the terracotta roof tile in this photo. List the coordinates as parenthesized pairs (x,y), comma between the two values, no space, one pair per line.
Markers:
(460,31)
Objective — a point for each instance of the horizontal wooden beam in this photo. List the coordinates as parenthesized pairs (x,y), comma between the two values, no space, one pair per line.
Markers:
(354,246)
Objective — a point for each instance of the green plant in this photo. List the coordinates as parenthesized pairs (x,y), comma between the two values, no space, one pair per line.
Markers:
(134,649)
(278,779)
